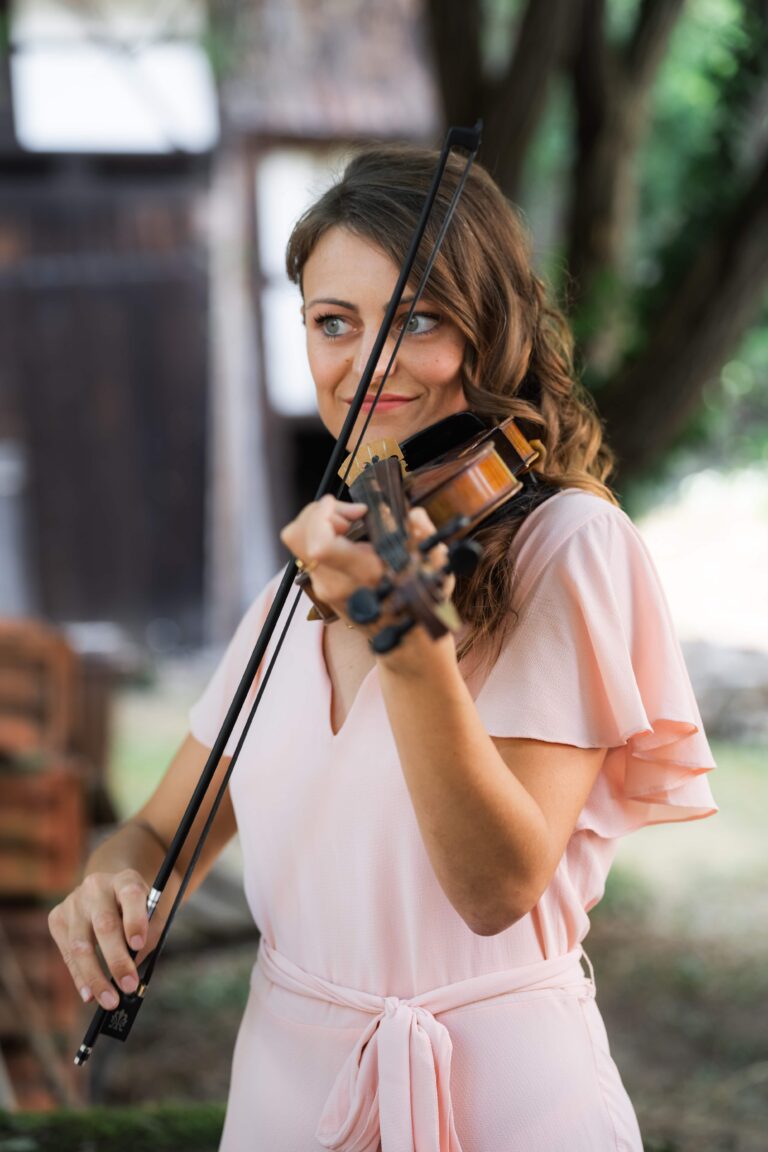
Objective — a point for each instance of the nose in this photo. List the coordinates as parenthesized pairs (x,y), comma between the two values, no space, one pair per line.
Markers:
(364,350)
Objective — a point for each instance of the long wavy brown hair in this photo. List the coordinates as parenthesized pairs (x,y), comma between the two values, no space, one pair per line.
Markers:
(518,359)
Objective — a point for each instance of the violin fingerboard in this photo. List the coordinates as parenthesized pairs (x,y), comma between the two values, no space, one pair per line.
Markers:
(380,488)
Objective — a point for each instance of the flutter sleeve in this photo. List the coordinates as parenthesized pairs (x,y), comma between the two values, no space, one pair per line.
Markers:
(208,712)
(592,660)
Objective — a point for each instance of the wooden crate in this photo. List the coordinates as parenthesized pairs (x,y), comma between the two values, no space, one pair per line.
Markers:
(31,1088)
(44,971)
(39,689)
(41,1016)
(42,830)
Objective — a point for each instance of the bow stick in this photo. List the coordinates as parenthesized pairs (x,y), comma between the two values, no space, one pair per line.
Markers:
(117,1023)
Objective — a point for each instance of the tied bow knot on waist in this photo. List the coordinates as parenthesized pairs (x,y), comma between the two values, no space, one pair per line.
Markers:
(395,1085)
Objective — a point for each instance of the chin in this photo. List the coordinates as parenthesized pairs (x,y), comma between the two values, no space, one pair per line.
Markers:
(393,425)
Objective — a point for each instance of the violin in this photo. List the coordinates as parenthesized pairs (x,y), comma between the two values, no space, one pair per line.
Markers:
(462,488)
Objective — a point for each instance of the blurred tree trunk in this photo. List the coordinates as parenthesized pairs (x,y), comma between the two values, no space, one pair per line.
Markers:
(512,104)
(706,310)
(705,316)
(7,136)
(611,90)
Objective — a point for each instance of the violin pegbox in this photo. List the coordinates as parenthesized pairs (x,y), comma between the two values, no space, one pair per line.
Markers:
(412,591)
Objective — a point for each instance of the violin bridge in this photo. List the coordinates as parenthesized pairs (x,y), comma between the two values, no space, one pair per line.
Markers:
(371,453)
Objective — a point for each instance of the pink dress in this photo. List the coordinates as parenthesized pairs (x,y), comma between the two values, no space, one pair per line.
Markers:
(377,1018)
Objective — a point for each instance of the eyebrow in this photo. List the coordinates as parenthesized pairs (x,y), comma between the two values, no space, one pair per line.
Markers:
(406,300)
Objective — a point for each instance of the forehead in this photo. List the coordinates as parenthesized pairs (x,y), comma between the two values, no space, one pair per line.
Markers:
(342,260)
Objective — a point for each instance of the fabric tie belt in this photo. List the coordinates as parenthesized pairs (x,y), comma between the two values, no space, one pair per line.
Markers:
(395,1085)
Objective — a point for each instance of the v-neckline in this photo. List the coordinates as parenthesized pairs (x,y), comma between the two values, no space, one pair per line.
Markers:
(329,693)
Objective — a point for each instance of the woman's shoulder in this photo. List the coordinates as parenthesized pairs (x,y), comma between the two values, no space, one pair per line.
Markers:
(566,511)
(571,515)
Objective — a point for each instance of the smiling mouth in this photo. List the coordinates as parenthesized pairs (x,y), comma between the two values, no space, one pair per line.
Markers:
(388,401)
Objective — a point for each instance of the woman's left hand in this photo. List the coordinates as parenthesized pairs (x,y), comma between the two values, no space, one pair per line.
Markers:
(318,538)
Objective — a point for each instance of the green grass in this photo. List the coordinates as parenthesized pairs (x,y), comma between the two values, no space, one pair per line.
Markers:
(177,1128)
(740,781)
(170,1128)
(148,728)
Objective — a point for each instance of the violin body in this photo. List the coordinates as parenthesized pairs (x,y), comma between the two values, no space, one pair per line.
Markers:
(459,489)
(475,480)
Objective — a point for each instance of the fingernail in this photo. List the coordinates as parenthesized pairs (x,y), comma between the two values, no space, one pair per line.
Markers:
(129,984)
(85,993)
(110,999)
(136,942)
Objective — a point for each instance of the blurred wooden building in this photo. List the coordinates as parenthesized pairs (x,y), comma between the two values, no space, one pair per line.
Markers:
(104,312)
(155,412)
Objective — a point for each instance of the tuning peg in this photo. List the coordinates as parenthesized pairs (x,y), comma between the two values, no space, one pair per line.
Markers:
(363,606)
(391,636)
(463,557)
(450,528)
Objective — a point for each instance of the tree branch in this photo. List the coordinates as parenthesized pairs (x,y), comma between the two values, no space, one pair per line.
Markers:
(702,321)
(649,40)
(592,70)
(7,134)
(611,90)
(601,154)
(515,104)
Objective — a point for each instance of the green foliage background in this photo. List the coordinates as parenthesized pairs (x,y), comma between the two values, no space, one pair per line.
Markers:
(704,142)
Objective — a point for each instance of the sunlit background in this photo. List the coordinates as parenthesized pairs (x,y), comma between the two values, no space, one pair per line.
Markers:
(157,426)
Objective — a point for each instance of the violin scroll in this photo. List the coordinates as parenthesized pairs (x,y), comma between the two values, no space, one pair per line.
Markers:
(413,591)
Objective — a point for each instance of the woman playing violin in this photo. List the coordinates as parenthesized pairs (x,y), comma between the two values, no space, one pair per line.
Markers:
(425,830)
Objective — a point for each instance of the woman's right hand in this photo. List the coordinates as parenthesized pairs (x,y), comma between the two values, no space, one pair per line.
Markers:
(108,910)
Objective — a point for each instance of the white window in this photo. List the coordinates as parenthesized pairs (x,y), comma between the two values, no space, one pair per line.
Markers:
(288,180)
(123,76)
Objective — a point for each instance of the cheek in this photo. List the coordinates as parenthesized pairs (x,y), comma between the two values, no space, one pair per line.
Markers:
(325,363)
(442,367)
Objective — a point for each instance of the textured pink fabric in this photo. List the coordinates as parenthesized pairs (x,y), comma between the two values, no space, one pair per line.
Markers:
(396,1080)
(342,889)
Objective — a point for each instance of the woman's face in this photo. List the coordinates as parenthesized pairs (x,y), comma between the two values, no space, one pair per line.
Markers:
(348,283)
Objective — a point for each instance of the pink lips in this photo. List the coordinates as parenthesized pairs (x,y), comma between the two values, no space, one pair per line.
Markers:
(386,403)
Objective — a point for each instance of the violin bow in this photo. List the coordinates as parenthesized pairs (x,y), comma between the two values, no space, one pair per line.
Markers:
(117,1023)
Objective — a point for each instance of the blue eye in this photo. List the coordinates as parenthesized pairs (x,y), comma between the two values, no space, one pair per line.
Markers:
(332,326)
(421,323)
